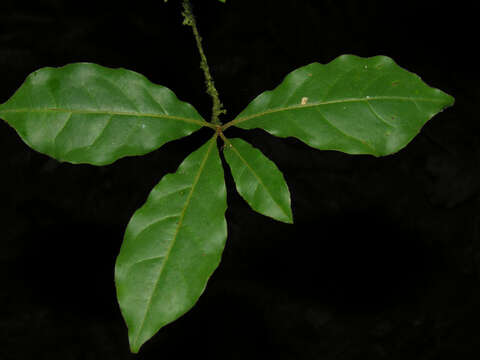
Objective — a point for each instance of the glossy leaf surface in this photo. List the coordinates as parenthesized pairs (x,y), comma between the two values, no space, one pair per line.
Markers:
(258,180)
(354,105)
(172,245)
(87,113)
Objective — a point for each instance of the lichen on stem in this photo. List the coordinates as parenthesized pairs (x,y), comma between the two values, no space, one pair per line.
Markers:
(217,107)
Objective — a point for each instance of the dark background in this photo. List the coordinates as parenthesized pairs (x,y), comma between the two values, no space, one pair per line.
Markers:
(383,261)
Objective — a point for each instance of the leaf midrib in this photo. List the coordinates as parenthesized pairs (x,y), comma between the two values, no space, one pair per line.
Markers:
(320,103)
(106,112)
(180,222)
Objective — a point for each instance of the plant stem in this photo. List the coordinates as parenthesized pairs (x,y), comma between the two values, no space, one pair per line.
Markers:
(217,108)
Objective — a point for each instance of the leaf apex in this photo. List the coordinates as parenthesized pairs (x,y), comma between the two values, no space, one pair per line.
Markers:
(288,218)
(135,343)
(450,102)
(134,349)
(289,221)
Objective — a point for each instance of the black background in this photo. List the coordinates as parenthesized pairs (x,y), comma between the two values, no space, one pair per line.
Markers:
(383,261)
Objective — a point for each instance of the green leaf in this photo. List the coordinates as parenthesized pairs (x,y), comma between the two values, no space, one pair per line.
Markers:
(258,180)
(354,105)
(87,113)
(172,245)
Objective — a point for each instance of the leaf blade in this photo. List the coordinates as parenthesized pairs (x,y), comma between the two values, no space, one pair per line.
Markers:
(258,180)
(87,113)
(354,105)
(172,245)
